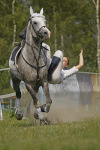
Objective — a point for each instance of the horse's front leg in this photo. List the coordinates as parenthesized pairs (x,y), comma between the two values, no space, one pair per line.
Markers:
(46,107)
(15,85)
(37,113)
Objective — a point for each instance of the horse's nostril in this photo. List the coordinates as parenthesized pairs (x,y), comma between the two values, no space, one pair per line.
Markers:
(45,32)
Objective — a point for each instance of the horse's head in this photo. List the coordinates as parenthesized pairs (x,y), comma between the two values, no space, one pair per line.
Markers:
(38,24)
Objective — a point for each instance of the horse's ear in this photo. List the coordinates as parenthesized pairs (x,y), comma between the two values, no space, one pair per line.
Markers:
(31,11)
(41,11)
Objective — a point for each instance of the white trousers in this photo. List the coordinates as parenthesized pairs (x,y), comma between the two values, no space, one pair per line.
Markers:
(56,76)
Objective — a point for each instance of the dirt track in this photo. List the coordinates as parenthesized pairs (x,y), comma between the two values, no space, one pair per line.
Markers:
(65,108)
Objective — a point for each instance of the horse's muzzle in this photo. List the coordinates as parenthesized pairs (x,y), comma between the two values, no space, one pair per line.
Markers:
(45,33)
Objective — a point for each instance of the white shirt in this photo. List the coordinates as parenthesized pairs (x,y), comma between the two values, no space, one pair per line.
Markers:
(66,73)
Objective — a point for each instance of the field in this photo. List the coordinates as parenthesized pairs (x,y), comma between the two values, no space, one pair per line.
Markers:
(76,135)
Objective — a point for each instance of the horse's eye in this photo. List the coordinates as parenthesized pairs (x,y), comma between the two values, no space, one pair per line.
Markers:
(35,22)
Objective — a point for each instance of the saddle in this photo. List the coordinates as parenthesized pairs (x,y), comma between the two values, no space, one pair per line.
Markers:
(14,61)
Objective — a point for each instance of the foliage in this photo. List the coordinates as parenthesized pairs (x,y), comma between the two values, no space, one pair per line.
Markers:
(74,20)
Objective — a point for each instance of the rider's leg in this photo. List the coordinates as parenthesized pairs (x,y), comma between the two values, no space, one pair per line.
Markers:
(47,51)
(55,68)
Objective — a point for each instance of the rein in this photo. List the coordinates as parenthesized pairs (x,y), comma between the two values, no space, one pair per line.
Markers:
(37,67)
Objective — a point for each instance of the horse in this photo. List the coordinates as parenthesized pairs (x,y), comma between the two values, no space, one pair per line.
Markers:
(31,66)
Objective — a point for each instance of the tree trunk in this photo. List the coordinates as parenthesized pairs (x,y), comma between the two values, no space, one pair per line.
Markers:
(62,43)
(2,3)
(14,24)
(55,30)
(96,3)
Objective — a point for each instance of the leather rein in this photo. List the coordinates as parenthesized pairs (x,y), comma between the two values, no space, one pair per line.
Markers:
(37,67)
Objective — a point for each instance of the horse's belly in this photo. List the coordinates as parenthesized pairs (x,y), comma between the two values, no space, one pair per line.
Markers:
(33,75)
(30,74)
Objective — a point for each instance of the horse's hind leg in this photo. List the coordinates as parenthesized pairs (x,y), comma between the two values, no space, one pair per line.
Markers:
(46,107)
(16,83)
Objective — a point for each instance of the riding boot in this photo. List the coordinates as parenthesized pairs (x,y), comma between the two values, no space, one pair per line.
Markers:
(53,66)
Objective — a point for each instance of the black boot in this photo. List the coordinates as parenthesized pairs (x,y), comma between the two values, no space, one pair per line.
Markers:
(53,66)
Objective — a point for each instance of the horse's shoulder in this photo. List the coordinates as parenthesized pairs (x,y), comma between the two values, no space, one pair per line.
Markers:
(46,46)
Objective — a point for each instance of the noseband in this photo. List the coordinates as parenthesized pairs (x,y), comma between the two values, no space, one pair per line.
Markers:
(38,32)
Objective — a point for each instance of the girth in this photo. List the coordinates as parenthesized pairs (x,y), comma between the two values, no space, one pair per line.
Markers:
(37,68)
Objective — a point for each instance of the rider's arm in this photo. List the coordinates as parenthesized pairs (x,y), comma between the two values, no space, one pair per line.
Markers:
(66,73)
(81,61)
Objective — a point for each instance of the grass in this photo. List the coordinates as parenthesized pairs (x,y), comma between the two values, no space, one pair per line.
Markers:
(22,135)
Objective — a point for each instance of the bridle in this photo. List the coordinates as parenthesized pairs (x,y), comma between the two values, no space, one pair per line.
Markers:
(38,32)
(39,37)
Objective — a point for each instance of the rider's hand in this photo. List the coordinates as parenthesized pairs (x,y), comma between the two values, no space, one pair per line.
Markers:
(81,52)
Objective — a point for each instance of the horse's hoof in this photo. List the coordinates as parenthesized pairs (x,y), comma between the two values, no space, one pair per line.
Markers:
(44,121)
(38,114)
(19,116)
(45,108)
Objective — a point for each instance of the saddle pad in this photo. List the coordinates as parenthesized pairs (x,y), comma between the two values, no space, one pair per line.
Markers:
(15,53)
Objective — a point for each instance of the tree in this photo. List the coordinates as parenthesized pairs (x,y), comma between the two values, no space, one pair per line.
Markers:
(97,6)
(8,17)
(72,24)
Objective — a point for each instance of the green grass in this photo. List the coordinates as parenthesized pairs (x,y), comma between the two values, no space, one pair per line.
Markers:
(22,135)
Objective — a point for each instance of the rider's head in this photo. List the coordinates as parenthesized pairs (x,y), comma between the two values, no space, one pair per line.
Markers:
(65,62)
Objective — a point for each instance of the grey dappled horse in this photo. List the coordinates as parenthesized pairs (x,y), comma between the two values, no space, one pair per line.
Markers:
(31,65)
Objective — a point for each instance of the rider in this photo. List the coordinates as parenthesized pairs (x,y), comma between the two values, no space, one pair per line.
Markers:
(57,66)
(57,71)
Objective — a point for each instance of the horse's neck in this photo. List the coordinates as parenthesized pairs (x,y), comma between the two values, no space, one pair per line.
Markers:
(31,37)
(32,44)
